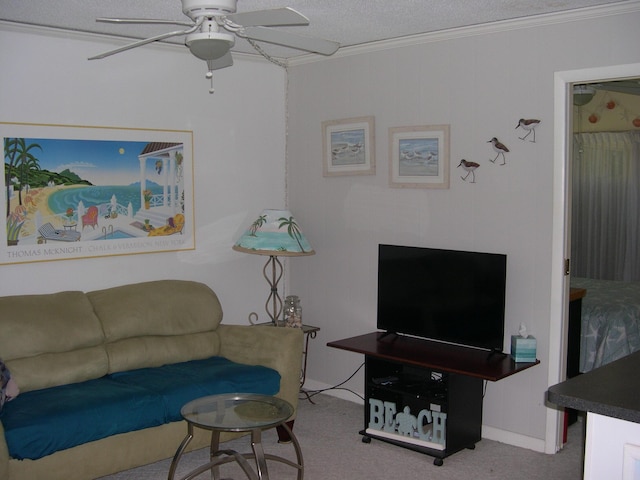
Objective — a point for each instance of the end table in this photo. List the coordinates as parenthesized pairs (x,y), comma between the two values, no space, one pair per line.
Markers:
(309,331)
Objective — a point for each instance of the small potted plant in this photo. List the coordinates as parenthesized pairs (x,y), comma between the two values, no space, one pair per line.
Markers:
(15,220)
(147,198)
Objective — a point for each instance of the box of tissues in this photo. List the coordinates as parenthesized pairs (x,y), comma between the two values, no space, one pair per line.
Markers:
(523,349)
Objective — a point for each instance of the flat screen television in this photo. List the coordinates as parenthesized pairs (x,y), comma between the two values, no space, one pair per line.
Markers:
(444,295)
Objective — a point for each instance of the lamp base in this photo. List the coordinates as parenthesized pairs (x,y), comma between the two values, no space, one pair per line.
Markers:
(274,302)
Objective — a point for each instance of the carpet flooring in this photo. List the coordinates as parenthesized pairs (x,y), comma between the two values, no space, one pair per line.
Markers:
(333,449)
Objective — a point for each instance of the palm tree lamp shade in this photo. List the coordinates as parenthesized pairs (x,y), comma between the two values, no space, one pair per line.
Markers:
(277,234)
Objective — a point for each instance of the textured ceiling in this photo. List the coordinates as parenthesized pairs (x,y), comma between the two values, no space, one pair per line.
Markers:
(349,22)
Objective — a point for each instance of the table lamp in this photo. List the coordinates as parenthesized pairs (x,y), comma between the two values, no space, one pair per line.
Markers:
(277,234)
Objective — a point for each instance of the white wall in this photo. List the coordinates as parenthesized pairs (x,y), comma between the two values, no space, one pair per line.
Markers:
(480,81)
(239,150)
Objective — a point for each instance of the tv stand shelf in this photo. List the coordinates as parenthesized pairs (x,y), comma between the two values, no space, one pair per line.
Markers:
(425,395)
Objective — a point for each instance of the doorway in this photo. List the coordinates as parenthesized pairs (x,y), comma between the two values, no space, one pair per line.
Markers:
(561,237)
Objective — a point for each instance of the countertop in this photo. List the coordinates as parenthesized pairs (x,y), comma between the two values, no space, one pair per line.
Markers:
(611,390)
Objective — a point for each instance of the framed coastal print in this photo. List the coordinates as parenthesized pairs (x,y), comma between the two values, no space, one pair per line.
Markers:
(348,147)
(77,191)
(419,157)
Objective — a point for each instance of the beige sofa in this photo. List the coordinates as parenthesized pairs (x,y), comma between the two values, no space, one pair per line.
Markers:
(69,337)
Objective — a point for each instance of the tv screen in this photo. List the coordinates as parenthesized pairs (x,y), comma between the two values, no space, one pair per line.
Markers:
(444,295)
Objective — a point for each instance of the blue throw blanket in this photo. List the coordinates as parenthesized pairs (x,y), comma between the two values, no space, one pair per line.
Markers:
(42,422)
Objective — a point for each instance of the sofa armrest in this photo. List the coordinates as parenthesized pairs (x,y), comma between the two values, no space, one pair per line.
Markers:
(279,348)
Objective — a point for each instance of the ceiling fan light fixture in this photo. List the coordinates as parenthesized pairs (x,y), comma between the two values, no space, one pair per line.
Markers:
(209,45)
(582,94)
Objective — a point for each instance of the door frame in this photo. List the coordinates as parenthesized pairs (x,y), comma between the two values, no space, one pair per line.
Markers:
(561,229)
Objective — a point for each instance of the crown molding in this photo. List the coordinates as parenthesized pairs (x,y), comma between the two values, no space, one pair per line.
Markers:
(569,16)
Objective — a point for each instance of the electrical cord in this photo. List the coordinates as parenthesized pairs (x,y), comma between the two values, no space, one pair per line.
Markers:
(313,393)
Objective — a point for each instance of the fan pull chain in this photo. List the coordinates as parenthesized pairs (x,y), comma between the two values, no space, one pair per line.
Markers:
(209,75)
(265,54)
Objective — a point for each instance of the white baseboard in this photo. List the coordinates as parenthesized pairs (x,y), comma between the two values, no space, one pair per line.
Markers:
(490,433)
(515,439)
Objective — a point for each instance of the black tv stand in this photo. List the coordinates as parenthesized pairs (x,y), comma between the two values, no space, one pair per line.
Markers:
(387,333)
(496,352)
(425,395)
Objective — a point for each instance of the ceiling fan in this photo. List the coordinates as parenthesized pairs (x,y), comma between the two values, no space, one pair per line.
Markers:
(214,24)
(584,93)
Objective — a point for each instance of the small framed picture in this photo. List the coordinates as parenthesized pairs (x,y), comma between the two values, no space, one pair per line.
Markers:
(419,157)
(348,147)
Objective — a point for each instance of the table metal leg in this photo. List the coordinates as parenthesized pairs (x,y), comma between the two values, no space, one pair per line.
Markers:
(303,373)
(213,449)
(231,455)
(296,446)
(216,457)
(299,464)
(258,450)
(180,451)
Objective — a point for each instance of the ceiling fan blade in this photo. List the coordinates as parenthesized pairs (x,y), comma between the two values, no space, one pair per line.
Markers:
(630,87)
(299,42)
(139,43)
(273,17)
(142,21)
(223,62)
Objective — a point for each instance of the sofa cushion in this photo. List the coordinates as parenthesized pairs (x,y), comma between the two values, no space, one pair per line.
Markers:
(42,422)
(163,307)
(180,383)
(152,323)
(152,351)
(51,339)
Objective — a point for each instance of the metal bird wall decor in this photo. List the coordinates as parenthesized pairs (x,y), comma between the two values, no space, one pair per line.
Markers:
(470,168)
(530,125)
(500,149)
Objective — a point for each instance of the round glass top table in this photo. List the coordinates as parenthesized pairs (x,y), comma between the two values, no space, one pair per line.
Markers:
(237,412)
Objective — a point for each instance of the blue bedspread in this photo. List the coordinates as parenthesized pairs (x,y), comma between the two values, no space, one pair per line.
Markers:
(41,422)
(610,321)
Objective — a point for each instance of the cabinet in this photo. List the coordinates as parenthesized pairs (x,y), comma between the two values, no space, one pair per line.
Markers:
(426,410)
(609,395)
(425,395)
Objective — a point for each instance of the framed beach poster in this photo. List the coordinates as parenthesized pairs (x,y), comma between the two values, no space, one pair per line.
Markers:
(76,192)
(419,157)
(348,147)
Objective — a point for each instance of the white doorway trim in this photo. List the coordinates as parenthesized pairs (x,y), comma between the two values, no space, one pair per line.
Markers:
(563,82)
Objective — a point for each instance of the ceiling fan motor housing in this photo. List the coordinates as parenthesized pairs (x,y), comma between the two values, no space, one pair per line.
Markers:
(203,8)
(209,43)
